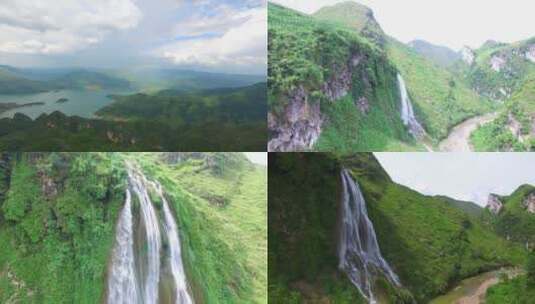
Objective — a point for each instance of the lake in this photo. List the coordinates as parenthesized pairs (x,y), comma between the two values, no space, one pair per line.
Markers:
(83,103)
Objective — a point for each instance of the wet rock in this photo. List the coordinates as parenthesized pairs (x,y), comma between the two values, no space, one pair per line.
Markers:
(494,204)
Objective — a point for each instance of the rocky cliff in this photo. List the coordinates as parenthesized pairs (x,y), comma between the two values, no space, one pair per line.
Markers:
(494,203)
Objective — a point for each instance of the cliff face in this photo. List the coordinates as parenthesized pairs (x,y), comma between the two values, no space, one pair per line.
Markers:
(313,66)
(494,203)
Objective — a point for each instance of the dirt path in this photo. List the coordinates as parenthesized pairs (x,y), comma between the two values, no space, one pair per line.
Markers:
(459,138)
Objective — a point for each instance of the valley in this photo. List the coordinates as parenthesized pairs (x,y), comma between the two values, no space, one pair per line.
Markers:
(333,87)
(79,109)
(341,230)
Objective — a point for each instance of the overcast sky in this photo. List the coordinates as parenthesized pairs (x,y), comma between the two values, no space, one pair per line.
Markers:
(464,176)
(453,23)
(222,35)
(259,158)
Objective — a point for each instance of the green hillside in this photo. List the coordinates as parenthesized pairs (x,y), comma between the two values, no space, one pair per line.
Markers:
(12,84)
(441,99)
(352,80)
(58,213)
(440,55)
(430,244)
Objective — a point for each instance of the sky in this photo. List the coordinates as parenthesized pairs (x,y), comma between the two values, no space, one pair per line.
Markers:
(212,35)
(463,176)
(453,23)
(259,158)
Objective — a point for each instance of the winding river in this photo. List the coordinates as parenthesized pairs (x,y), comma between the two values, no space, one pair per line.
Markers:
(459,138)
(473,290)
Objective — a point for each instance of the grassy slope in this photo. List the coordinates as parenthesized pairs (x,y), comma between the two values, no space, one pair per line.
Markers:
(224,246)
(305,51)
(511,291)
(496,136)
(441,100)
(57,247)
(62,259)
(430,244)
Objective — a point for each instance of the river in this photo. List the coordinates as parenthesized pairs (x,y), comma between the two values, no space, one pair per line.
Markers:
(473,290)
(459,138)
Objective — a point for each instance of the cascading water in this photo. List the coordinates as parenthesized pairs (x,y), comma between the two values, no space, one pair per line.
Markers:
(138,277)
(122,282)
(152,276)
(359,254)
(407,112)
(177,269)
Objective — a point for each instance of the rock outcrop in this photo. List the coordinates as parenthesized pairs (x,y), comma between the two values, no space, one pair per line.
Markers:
(529,203)
(298,127)
(498,62)
(494,203)
(468,55)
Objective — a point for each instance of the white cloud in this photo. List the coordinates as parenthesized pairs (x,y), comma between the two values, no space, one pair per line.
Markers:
(240,41)
(61,26)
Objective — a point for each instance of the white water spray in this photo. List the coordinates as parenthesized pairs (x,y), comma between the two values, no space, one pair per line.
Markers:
(152,230)
(122,282)
(359,254)
(142,284)
(407,112)
(177,268)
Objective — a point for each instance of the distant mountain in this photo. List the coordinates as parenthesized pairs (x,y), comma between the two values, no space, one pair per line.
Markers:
(440,55)
(155,79)
(12,83)
(246,104)
(83,79)
(468,207)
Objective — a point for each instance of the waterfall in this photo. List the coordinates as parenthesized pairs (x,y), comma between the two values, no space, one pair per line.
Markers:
(177,269)
(407,112)
(139,277)
(358,251)
(122,282)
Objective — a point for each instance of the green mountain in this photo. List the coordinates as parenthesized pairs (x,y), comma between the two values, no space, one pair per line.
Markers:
(438,54)
(10,83)
(208,120)
(237,105)
(333,84)
(430,244)
(470,208)
(356,16)
(59,216)
(515,219)
(506,72)
(330,87)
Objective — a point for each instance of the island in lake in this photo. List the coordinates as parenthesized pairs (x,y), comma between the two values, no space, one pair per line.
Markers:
(62,100)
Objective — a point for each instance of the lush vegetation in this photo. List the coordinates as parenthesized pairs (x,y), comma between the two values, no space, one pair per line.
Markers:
(519,290)
(441,99)
(514,221)
(58,213)
(56,226)
(216,120)
(221,201)
(307,52)
(430,244)
(229,105)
